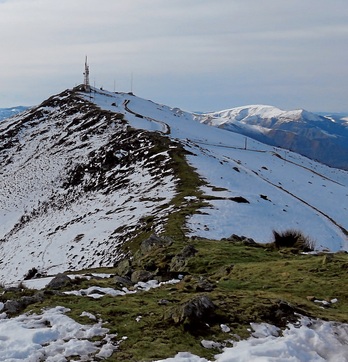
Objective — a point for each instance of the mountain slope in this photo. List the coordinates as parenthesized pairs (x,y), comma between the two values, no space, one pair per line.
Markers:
(83,174)
(75,182)
(322,138)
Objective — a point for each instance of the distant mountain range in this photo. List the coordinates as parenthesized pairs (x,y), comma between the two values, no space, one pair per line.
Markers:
(9,112)
(85,176)
(320,137)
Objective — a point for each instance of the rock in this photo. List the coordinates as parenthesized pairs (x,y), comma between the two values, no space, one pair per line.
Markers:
(141,276)
(16,306)
(31,274)
(188,251)
(234,237)
(196,311)
(250,242)
(154,242)
(122,281)
(225,328)
(124,268)
(163,302)
(283,312)
(204,285)
(211,344)
(59,281)
(179,261)
(95,291)
(198,307)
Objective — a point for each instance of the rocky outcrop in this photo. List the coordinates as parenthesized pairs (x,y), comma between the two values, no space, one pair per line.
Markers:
(59,281)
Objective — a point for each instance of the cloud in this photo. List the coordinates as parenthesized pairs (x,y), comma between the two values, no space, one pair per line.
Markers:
(197,44)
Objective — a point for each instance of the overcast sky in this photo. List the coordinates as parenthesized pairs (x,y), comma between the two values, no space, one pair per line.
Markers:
(199,55)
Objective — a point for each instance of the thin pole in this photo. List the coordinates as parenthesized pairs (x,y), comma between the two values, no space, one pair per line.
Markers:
(132,82)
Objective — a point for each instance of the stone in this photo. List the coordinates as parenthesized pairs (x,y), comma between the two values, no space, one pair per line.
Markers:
(204,285)
(179,261)
(194,312)
(122,281)
(18,305)
(154,242)
(163,302)
(188,251)
(124,268)
(59,281)
(141,276)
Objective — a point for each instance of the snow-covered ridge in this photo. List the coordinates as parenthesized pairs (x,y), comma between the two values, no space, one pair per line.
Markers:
(323,138)
(74,184)
(281,187)
(81,172)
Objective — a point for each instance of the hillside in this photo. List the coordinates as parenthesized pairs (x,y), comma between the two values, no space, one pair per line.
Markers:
(83,174)
(319,137)
(131,232)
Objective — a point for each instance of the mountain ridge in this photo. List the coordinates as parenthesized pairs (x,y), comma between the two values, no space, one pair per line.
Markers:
(319,137)
(85,174)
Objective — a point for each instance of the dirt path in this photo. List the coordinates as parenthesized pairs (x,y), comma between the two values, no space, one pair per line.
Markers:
(165,128)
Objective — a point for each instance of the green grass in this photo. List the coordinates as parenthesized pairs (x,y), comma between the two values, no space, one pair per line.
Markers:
(250,283)
(188,184)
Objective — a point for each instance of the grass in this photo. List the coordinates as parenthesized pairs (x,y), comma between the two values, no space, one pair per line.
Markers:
(188,184)
(250,284)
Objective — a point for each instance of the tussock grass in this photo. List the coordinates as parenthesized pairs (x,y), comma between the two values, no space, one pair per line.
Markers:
(292,238)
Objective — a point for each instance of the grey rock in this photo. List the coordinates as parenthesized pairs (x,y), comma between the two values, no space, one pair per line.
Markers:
(122,281)
(124,268)
(154,242)
(204,285)
(141,276)
(179,261)
(195,311)
(16,306)
(59,281)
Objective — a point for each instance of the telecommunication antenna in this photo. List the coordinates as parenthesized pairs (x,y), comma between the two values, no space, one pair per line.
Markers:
(86,77)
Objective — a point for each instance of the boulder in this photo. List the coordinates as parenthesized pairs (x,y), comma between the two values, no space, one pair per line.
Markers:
(196,311)
(18,305)
(154,242)
(179,261)
(204,285)
(124,268)
(59,281)
(188,251)
(122,282)
(141,276)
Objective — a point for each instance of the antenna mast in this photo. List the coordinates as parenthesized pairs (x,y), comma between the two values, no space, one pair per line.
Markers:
(86,77)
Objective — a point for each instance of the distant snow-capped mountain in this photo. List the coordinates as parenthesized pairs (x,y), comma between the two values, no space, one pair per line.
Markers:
(9,112)
(85,176)
(320,137)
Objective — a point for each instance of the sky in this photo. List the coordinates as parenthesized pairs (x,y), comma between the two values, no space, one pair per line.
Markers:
(198,55)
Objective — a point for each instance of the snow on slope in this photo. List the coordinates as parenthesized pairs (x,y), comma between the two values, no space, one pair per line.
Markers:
(77,181)
(283,189)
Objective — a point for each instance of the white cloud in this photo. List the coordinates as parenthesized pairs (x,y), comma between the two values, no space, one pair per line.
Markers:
(217,45)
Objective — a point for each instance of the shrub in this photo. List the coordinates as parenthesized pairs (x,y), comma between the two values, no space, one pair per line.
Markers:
(293,239)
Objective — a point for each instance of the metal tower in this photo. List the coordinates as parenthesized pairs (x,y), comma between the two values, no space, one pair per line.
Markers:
(86,77)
